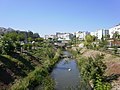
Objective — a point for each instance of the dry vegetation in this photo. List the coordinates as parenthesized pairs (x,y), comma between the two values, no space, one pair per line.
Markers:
(113,66)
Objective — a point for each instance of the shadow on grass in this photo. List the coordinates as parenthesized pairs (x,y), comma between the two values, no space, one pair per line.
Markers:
(34,58)
(23,60)
(5,76)
(111,77)
(12,66)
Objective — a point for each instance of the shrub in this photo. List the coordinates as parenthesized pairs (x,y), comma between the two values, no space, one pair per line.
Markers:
(8,47)
(93,69)
(25,46)
(32,79)
(38,76)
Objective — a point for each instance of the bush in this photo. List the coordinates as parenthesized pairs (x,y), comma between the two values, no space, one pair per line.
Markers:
(38,76)
(29,46)
(31,80)
(115,49)
(8,47)
(47,84)
(25,46)
(93,69)
(18,46)
(100,85)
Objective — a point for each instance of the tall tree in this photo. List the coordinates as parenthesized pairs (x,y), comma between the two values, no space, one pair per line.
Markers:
(11,35)
(88,41)
(116,35)
(89,38)
(20,37)
(30,34)
(36,35)
(7,46)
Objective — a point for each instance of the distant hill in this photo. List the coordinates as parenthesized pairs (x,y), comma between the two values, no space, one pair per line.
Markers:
(5,30)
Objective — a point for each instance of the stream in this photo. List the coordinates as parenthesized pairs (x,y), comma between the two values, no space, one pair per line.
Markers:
(67,75)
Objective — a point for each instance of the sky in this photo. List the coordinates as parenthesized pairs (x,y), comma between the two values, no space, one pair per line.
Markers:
(51,16)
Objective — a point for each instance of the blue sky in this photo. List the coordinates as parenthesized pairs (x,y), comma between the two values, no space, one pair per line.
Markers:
(51,16)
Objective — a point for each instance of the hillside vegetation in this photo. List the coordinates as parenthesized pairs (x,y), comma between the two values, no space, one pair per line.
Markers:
(101,69)
(25,65)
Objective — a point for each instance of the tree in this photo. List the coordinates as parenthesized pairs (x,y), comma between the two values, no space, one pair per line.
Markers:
(103,44)
(89,38)
(36,35)
(15,36)
(7,46)
(1,41)
(18,46)
(30,39)
(88,41)
(20,37)
(107,36)
(116,35)
(11,35)
(30,34)
(75,40)
(94,38)
(25,46)
(39,39)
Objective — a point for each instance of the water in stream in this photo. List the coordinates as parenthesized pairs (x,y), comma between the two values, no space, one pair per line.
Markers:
(66,75)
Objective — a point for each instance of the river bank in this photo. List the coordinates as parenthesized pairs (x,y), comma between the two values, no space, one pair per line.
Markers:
(38,75)
(66,75)
(112,63)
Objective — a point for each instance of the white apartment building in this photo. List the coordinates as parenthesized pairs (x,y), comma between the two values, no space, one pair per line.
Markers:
(50,36)
(81,34)
(64,36)
(102,33)
(77,34)
(113,30)
(94,34)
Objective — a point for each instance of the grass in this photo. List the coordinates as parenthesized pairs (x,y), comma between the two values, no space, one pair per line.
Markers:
(31,80)
(47,84)
(92,70)
(38,75)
